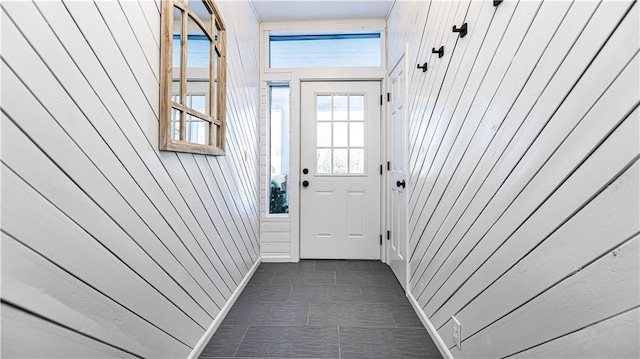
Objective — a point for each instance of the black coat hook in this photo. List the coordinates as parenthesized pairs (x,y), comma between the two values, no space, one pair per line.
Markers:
(439,51)
(423,67)
(462,30)
(496,2)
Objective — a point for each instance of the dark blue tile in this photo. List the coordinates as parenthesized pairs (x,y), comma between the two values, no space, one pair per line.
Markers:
(264,293)
(274,314)
(225,342)
(304,278)
(383,294)
(290,342)
(385,343)
(305,265)
(351,314)
(367,278)
(342,265)
(405,316)
(262,276)
(378,266)
(325,293)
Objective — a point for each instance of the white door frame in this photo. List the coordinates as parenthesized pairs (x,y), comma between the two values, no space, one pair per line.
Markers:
(294,77)
(294,206)
(343,244)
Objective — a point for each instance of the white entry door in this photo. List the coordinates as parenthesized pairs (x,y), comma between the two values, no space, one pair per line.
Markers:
(340,164)
(396,176)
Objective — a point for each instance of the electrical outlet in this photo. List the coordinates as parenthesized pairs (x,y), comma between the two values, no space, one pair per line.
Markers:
(457,333)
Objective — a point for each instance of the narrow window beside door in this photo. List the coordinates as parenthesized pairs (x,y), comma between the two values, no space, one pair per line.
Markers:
(279,150)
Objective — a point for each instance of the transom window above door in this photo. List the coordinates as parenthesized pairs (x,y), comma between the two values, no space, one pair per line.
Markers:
(340,131)
(325,50)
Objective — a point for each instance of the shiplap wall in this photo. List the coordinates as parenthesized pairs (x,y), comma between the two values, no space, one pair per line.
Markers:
(524,174)
(109,247)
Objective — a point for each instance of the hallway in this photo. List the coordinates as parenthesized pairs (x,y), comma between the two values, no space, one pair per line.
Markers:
(322,309)
(166,163)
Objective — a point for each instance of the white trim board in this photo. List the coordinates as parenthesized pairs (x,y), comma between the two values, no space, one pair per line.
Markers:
(276,259)
(430,328)
(202,343)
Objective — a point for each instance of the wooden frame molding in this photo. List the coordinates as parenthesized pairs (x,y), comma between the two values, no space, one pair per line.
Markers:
(180,84)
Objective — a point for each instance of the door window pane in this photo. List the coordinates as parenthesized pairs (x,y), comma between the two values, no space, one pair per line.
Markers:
(340,108)
(356,134)
(324,134)
(356,108)
(340,134)
(323,161)
(340,161)
(324,108)
(356,161)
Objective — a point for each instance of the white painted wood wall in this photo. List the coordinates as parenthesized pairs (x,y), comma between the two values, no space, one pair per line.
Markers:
(524,174)
(109,247)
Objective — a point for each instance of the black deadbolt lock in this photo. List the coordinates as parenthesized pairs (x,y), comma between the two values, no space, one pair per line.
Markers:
(305,171)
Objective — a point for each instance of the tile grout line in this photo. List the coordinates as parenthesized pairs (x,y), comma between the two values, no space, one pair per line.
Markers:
(241,340)
(339,344)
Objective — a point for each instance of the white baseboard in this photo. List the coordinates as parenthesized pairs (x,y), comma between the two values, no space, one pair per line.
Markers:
(275,258)
(223,313)
(430,328)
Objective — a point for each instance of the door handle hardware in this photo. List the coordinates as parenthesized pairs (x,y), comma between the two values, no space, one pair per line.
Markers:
(439,51)
(462,30)
(305,171)
(400,184)
(423,67)
(305,183)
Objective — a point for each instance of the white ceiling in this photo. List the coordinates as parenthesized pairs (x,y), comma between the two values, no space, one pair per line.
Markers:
(304,10)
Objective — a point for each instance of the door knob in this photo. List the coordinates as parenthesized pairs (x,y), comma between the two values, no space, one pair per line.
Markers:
(400,184)
(305,183)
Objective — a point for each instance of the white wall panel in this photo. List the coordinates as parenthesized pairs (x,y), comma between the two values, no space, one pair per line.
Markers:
(523,173)
(108,245)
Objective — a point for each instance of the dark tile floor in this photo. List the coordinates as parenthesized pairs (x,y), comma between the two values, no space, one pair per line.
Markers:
(322,309)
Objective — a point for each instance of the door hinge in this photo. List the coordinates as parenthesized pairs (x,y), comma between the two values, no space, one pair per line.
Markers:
(380,169)
(388,97)
(388,166)
(388,234)
(381,239)
(380,100)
